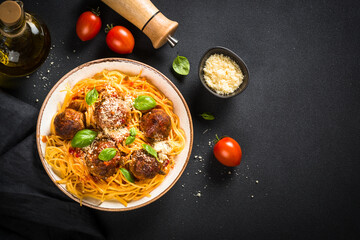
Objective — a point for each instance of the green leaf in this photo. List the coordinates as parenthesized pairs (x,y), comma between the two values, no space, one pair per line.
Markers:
(129,140)
(107,154)
(181,65)
(127,175)
(91,97)
(133,132)
(207,116)
(83,138)
(150,150)
(144,102)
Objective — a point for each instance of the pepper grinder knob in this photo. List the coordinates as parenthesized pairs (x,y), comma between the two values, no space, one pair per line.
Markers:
(145,16)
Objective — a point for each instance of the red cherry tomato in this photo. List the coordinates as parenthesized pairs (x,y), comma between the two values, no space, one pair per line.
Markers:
(120,40)
(228,152)
(88,25)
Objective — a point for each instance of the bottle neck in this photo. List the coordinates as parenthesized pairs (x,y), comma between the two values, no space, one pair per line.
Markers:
(17,28)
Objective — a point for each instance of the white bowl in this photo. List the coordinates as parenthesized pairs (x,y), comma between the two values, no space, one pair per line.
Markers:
(130,67)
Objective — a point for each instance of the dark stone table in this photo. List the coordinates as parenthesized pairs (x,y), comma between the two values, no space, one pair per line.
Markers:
(298,122)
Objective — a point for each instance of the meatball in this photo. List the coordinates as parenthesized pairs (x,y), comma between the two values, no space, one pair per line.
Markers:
(68,123)
(98,168)
(112,112)
(143,165)
(156,124)
(76,105)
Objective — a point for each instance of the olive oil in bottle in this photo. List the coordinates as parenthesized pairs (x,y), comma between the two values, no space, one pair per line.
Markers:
(24,42)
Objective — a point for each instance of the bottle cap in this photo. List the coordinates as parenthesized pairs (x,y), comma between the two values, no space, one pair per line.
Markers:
(10,12)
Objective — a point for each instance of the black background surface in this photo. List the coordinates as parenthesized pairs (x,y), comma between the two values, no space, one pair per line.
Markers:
(297,122)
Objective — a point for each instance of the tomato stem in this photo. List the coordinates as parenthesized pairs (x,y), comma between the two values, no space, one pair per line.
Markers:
(96,11)
(108,27)
(216,139)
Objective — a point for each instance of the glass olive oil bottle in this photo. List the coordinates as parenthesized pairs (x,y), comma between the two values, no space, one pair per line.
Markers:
(24,42)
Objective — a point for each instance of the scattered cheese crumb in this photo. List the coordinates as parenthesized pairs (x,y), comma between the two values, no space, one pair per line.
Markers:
(198,194)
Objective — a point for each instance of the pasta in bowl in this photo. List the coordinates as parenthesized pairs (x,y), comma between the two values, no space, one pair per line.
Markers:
(110,138)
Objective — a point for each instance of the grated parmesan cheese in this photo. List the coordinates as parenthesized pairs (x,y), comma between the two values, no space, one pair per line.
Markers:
(129,100)
(117,134)
(222,74)
(162,148)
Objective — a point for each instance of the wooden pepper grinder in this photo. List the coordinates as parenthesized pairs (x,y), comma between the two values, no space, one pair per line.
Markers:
(145,16)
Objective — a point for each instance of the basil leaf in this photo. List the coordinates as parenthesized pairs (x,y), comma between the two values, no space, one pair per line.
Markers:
(181,65)
(129,140)
(133,131)
(207,116)
(91,97)
(107,154)
(150,150)
(144,102)
(83,138)
(127,175)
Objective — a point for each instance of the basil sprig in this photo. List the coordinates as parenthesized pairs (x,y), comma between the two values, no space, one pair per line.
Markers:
(207,116)
(150,150)
(130,139)
(181,65)
(83,138)
(107,154)
(127,175)
(133,131)
(144,102)
(91,97)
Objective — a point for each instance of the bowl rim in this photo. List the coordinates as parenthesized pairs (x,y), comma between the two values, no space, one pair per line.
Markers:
(242,66)
(62,79)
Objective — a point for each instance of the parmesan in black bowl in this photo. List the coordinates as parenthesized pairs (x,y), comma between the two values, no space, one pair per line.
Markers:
(223,73)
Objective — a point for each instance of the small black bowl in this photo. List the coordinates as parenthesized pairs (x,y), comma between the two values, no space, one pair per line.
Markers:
(233,56)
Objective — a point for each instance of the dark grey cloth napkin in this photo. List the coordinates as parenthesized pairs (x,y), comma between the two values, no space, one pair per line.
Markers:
(31,206)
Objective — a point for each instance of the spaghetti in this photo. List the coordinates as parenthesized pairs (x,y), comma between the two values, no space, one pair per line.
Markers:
(69,163)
